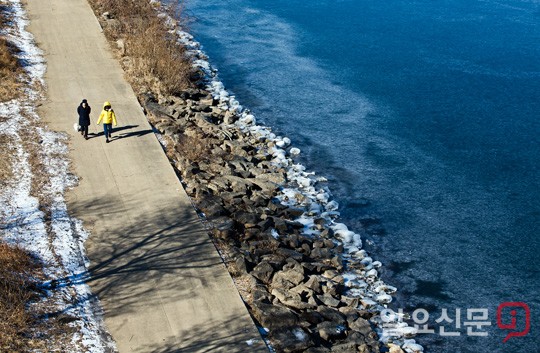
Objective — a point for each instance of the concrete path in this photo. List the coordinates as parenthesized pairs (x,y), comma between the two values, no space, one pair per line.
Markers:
(160,279)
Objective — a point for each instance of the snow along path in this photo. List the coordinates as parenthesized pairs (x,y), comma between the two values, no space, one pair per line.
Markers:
(159,278)
(59,242)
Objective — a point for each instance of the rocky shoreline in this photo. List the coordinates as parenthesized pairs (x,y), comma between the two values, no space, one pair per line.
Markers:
(294,282)
(303,275)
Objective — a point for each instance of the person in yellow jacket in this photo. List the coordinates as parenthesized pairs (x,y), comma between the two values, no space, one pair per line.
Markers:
(109,118)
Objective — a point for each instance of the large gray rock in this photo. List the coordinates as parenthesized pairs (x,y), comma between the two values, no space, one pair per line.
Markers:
(351,314)
(317,350)
(287,279)
(229,118)
(289,253)
(223,227)
(290,339)
(330,331)
(303,291)
(247,219)
(321,253)
(312,317)
(332,315)
(273,316)
(362,326)
(229,196)
(211,206)
(274,260)
(350,301)
(344,347)
(276,178)
(291,299)
(328,300)
(314,283)
(263,271)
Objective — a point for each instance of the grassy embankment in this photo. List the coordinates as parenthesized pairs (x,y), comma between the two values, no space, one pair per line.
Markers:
(150,55)
(154,62)
(18,269)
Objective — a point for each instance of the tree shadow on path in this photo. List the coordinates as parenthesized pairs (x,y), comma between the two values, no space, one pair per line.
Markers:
(161,259)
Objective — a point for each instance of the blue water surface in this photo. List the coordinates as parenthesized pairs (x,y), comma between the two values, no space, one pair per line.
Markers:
(425,117)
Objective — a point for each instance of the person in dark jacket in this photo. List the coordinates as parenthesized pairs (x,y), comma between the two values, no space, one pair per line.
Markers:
(84,117)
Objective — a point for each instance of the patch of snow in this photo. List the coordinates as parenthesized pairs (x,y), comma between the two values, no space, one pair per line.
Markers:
(299,334)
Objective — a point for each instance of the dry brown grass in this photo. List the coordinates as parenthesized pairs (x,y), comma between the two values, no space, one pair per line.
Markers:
(193,149)
(10,69)
(6,159)
(157,62)
(17,288)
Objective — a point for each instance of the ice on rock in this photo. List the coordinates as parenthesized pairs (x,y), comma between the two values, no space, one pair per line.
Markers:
(323,197)
(294,151)
(203,64)
(352,250)
(298,168)
(235,106)
(309,225)
(314,209)
(310,190)
(282,142)
(384,298)
(368,303)
(410,346)
(346,236)
(339,226)
(278,153)
(332,206)
(385,288)
(299,334)
(304,182)
(357,240)
(349,278)
(367,261)
(408,331)
(218,87)
(306,221)
(372,273)
(361,254)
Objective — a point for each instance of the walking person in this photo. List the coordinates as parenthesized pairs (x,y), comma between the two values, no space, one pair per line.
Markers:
(109,118)
(84,117)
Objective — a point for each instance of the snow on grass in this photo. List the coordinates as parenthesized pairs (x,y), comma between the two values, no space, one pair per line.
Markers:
(49,233)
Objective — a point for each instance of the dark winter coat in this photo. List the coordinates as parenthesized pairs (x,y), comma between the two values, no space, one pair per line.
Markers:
(84,115)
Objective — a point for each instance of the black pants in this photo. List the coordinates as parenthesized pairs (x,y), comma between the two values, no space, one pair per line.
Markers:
(84,130)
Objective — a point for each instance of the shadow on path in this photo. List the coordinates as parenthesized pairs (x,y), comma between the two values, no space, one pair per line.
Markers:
(116,130)
(164,256)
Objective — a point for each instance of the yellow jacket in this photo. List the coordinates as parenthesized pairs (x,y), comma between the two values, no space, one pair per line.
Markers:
(107,116)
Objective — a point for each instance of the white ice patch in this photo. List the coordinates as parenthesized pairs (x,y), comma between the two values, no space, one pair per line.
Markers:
(299,334)
(294,151)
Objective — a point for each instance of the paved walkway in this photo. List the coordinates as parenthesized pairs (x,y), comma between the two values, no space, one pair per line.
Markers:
(160,280)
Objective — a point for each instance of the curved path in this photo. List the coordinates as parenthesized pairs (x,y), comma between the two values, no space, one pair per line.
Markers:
(158,276)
